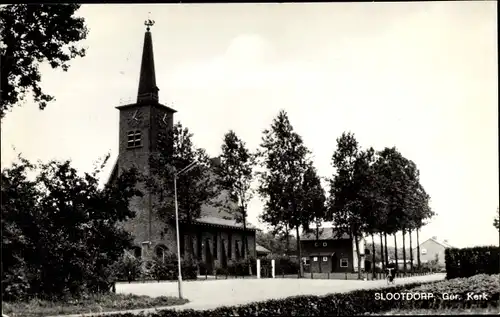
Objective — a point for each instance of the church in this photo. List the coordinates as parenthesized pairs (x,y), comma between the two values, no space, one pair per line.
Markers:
(216,234)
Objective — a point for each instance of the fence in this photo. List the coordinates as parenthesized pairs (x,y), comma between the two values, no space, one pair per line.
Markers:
(266,271)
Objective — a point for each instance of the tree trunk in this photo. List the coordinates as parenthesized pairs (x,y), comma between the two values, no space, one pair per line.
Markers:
(246,252)
(396,251)
(287,236)
(386,251)
(411,253)
(382,257)
(358,254)
(418,251)
(299,253)
(373,256)
(404,252)
(317,239)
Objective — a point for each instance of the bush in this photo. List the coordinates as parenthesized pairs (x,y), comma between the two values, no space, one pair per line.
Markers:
(59,229)
(239,267)
(284,265)
(128,269)
(155,269)
(468,262)
(355,303)
(479,284)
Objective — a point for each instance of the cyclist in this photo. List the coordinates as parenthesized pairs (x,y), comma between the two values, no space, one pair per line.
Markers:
(391,271)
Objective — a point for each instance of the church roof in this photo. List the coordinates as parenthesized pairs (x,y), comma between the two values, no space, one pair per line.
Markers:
(147,92)
(221,222)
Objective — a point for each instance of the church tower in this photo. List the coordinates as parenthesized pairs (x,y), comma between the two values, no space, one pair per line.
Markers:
(141,125)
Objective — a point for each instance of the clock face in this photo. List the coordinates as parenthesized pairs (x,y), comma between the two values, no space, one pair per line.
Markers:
(136,117)
(163,119)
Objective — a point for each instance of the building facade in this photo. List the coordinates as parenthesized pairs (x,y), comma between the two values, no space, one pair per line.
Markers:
(432,249)
(325,252)
(216,235)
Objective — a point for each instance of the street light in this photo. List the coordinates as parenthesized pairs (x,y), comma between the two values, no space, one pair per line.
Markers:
(185,169)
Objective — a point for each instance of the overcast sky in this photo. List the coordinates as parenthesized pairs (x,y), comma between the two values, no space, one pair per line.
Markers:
(420,76)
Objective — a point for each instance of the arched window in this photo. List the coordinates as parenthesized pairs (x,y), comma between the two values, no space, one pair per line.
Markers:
(161,252)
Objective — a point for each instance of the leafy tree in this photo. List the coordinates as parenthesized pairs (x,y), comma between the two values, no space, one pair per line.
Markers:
(195,187)
(376,213)
(235,176)
(274,209)
(390,168)
(31,34)
(314,202)
(407,201)
(277,244)
(421,214)
(351,197)
(62,234)
(284,159)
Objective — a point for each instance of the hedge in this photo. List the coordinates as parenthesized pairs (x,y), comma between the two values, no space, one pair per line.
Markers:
(357,302)
(130,269)
(468,262)
(283,265)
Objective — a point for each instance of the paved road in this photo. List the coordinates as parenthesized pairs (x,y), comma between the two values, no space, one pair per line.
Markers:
(211,294)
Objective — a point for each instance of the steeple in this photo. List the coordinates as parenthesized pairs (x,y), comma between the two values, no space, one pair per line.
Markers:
(148,92)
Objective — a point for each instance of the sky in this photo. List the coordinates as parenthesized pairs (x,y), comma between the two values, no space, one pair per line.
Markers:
(420,76)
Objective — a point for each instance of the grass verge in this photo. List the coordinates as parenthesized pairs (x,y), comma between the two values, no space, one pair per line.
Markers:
(475,311)
(91,304)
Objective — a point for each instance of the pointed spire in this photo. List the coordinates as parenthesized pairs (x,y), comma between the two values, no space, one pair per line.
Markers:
(148,92)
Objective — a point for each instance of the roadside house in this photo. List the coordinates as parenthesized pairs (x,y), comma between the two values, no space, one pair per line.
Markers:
(431,248)
(324,251)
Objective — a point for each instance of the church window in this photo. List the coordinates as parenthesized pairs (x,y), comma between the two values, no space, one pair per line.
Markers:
(134,139)
(137,252)
(161,252)
(215,247)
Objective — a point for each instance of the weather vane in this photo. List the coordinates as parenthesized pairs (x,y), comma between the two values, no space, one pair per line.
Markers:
(149,23)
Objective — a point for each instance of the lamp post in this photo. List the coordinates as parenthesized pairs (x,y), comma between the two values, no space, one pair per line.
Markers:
(176,174)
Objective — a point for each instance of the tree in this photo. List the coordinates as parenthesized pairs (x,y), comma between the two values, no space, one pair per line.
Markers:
(314,202)
(274,207)
(422,212)
(390,168)
(235,176)
(284,160)
(277,244)
(62,234)
(376,211)
(31,34)
(351,197)
(195,187)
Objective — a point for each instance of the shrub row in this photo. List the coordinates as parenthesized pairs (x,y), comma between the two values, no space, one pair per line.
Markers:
(132,269)
(478,284)
(358,302)
(468,262)
(283,265)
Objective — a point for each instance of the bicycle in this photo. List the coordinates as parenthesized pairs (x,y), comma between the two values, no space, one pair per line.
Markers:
(390,277)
